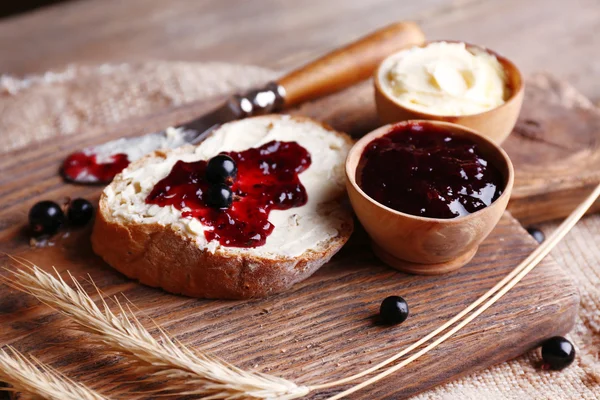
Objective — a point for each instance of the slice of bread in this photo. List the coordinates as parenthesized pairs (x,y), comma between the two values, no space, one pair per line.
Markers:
(160,248)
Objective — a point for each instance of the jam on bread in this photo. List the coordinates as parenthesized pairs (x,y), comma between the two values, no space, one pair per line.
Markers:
(265,179)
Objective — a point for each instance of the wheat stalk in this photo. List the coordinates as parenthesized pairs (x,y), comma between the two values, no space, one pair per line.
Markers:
(191,373)
(40,380)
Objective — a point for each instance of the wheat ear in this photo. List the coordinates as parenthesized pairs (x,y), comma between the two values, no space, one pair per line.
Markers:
(40,380)
(188,372)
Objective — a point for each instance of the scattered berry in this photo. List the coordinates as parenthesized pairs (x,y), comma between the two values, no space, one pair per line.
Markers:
(537,234)
(80,212)
(393,310)
(221,169)
(219,196)
(46,218)
(557,353)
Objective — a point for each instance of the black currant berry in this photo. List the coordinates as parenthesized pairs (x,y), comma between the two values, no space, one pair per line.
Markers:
(393,310)
(537,234)
(219,196)
(221,169)
(557,353)
(80,212)
(46,218)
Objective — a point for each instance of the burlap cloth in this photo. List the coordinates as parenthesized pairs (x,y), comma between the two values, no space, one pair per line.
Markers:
(37,108)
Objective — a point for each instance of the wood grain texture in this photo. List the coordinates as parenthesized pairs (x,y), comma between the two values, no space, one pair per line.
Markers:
(324,328)
(536,34)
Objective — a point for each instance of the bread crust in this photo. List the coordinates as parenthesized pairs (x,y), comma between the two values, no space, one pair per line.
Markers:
(160,256)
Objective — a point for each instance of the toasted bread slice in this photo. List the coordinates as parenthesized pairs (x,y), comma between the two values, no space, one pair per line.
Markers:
(160,248)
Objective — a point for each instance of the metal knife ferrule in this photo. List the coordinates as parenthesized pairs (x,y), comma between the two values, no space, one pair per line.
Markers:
(258,101)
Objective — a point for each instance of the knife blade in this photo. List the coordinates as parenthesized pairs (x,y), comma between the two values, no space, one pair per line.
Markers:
(99,164)
(330,73)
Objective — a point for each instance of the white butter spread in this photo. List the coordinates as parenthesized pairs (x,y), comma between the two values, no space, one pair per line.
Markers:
(296,229)
(445,79)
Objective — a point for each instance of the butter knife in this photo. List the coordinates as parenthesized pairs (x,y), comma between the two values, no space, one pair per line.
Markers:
(335,71)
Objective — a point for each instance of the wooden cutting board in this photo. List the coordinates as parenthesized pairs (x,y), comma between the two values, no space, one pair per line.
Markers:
(324,328)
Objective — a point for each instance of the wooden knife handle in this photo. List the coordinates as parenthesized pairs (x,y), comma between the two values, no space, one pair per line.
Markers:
(348,65)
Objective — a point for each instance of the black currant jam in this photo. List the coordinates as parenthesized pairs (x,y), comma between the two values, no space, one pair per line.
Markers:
(267,179)
(427,171)
(86,168)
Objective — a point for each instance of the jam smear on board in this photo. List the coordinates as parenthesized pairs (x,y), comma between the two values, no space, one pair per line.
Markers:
(84,167)
(267,179)
(429,172)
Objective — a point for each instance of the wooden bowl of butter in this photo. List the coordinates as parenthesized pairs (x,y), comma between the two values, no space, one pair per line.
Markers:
(452,82)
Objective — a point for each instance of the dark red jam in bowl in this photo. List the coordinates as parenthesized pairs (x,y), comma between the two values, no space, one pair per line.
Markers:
(427,171)
(267,179)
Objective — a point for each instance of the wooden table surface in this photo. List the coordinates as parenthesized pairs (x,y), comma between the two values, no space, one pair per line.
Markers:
(552,35)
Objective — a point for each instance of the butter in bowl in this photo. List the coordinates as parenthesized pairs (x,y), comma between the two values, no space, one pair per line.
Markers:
(452,82)
(427,192)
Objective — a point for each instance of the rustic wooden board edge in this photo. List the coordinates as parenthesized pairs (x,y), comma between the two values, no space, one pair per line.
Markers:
(559,204)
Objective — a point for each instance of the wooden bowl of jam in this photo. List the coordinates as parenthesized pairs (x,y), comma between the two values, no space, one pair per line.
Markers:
(493,119)
(428,193)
